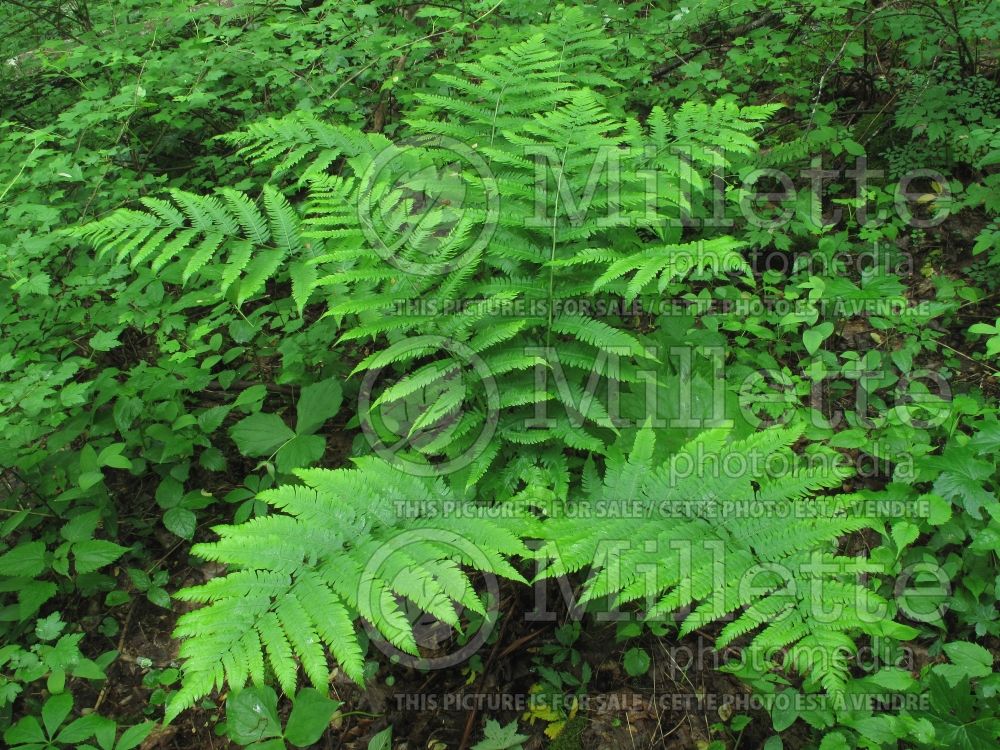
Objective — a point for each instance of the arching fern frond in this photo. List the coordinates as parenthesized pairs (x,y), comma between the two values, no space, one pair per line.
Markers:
(288,142)
(224,236)
(729,528)
(344,545)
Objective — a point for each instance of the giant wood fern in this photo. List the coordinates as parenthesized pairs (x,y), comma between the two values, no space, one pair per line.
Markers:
(577,220)
(449,260)
(515,195)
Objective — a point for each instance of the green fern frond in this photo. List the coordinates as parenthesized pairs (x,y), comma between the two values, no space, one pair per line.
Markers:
(697,531)
(345,544)
(228,232)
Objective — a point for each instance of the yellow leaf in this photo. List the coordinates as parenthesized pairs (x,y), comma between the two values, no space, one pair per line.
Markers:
(554,729)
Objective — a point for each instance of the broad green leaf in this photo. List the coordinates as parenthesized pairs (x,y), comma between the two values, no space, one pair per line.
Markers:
(210,419)
(275,744)
(834,741)
(32,596)
(883,730)
(785,710)
(105,341)
(382,740)
(181,522)
(940,509)
(81,527)
(95,553)
(500,737)
(251,397)
(169,493)
(904,534)
(317,403)
(814,337)
(26,731)
(636,662)
(26,560)
(159,597)
(311,714)
(893,678)
(133,736)
(252,715)
(49,628)
(968,660)
(300,452)
(81,729)
(260,434)
(55,711)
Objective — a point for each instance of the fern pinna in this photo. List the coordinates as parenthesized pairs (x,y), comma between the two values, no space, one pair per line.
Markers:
(342,545)
(694,531)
